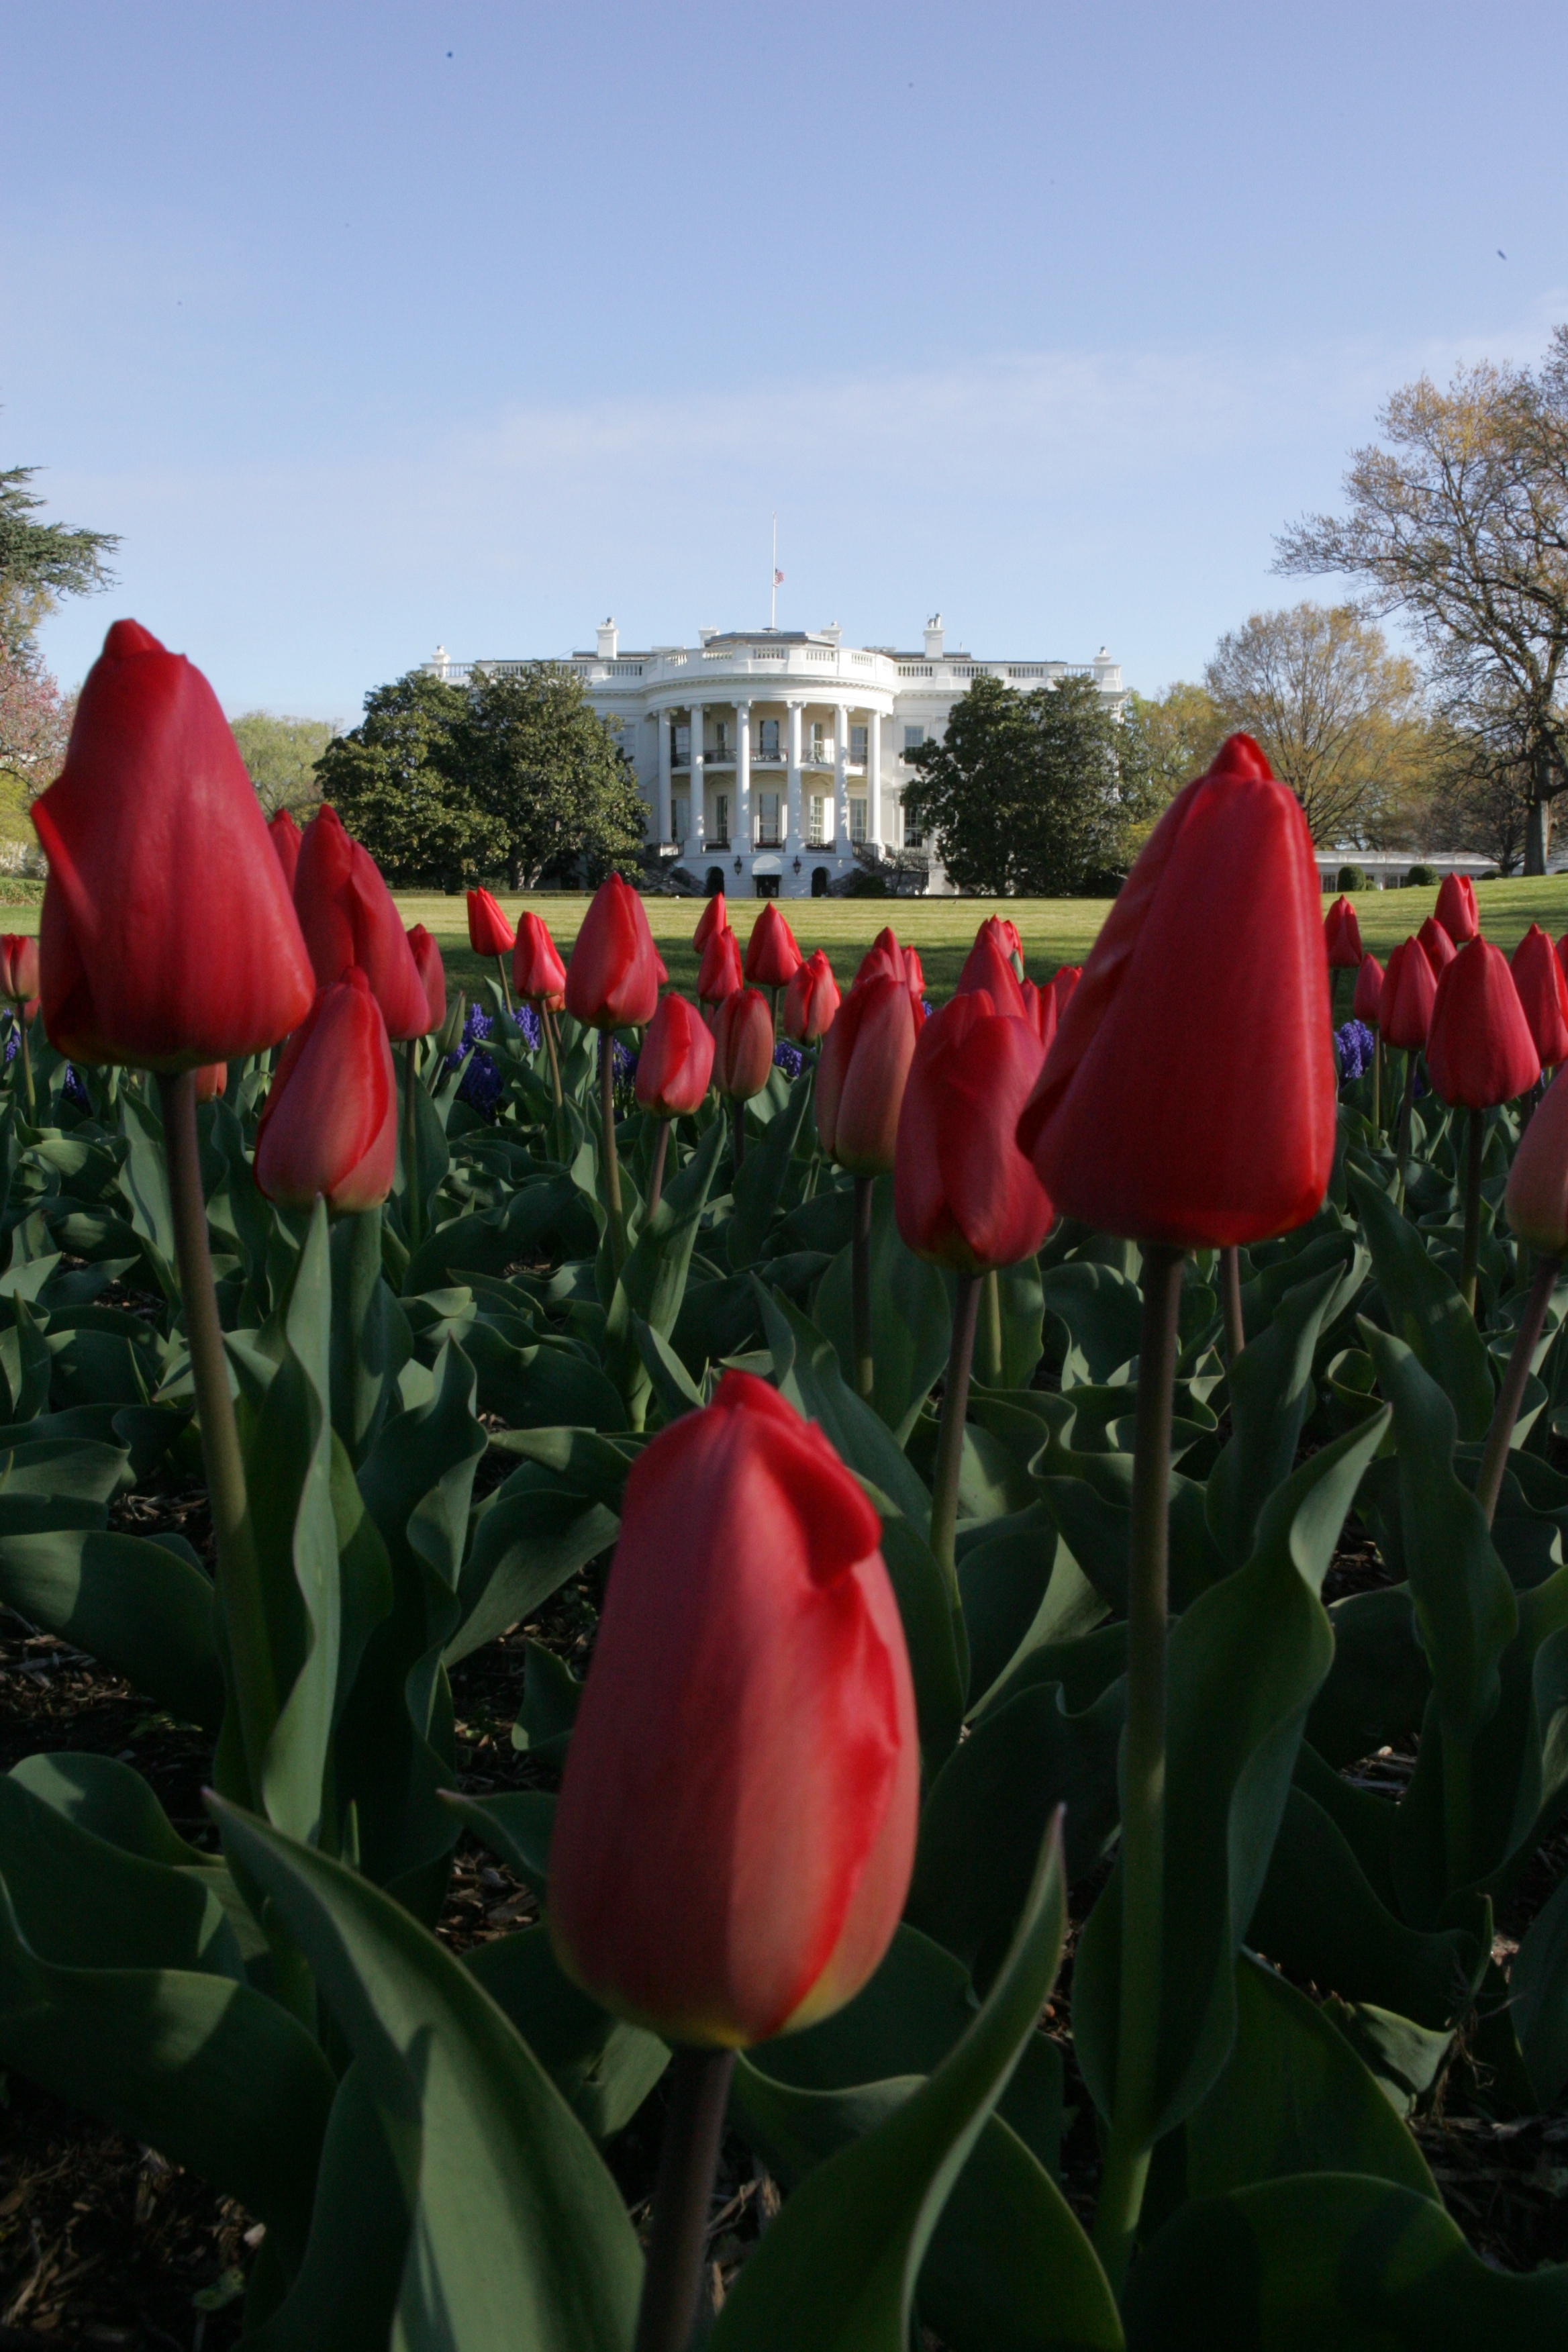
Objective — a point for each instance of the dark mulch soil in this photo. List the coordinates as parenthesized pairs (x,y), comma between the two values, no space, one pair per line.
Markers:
(103,2243)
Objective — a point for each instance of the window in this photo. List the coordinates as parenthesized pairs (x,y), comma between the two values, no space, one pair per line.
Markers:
(683,745)
(857,746)
(768,820)
(913,837)
(629,738)
(857,824)
(913,738)
(720,820)
(768,738)
(818,739)
(816,835)
(721,742)
(678,820)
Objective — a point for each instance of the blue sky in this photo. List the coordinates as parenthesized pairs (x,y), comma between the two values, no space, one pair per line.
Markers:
(368,326)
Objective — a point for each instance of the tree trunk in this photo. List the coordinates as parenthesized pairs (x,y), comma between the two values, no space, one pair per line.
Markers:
(514,873)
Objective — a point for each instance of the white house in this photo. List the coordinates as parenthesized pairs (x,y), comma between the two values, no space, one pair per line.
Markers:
(768,757)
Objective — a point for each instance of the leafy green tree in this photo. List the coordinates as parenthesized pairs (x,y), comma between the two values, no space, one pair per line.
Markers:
(1182,729)
(280,756)
(550,777)
(40,562)
(392,780)
(1035,794)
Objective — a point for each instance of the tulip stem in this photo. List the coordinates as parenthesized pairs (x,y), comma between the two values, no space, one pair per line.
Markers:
(699,2091)
(1142,1860)
(861,1286)
(991,1330)
(1511,1396)
(1406,1104)
(1377,1083)
(950,1428)
(410,1142)
(505,983)
(1230,1302)
(656,1174)
(612,1164)
(26,1066)
(1471,1255)
(547,1023)
(253,1689)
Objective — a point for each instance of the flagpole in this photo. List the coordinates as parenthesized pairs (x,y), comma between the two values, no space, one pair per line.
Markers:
(773,578)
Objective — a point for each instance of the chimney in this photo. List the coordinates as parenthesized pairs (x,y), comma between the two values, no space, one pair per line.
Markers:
(933,638)
(609,638)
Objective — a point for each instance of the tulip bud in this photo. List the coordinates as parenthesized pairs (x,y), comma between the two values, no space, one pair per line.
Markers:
(811,1001)
(674,1061)
(286,838)
(884,958)
(743,1045)
(1457,908)
(489,933)
(735,1829)
(329,1125)
(772,954)
(963,1193)
(1368,991)
(1535,1201)
(432,974)
(538,973)
(211,1080)
(1341,936)
(1543,993)
(860,1077)
(1409,992)
(713,918)
(1437,946)
(989,967)
(721,972)
(167,936)
(348,917)
(612,977)
(1479,1051)
(19,969)
(1040,1011)
(1063,980)
(1136,1123)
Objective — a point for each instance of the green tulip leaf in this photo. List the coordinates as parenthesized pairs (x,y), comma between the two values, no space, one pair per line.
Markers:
(603,2067)
(1270,1390)
(518,2233)
(761,1178)
(141,1609)
(652,1282)
(529,1541)
(344,2295)
(1424,1309)
(515,1826)
(1380,1681)
(1538,1985)
(1103,1310)
(912,1319)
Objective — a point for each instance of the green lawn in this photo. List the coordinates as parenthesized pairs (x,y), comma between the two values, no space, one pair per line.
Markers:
(1055,930)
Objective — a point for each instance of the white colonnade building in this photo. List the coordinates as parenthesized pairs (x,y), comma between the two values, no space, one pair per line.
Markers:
(773,762)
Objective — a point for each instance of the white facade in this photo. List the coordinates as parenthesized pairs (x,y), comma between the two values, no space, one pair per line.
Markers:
(769,758)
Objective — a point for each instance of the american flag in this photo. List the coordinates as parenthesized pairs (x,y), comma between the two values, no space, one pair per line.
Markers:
(778,578)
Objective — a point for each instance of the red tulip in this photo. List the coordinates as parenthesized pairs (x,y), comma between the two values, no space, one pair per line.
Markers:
(1563,953)
(860,1077)
(1015,943)
(19,968)
(612,977)
(1063,980)
(1543,993)
(1479,1051)
(1536,1199)
(538,973)
(1143,1121)
(1409,992)
(1341,935)
(1040,1011)
(211,1080)
(736,1824)
(713,918)
(811,1001)
(329,1124)
(743,1045)
(286,839)
(1368,991)
(721,973)
(1457,908)
(963,1193)
(674,1061)
(489,933)
(914,975)
(348,917)
(1437,946)
(884,958)
(660,968)
(167,936)
(772,954)
(432,974)
(989,967)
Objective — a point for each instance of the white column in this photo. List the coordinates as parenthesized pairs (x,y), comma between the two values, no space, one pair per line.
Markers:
(792,838)
(741,836)
(664,721)
(874,779)
(699,813)
(841,779)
